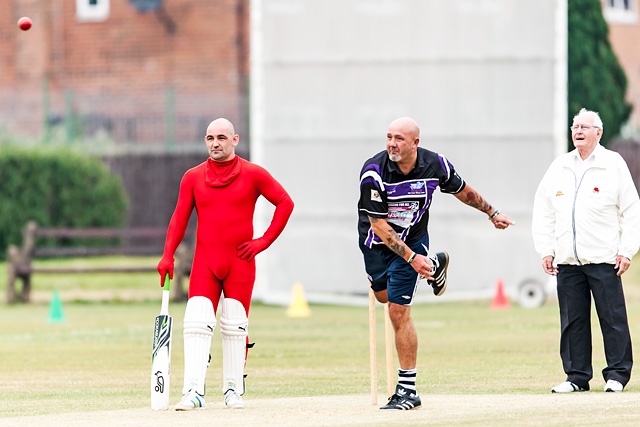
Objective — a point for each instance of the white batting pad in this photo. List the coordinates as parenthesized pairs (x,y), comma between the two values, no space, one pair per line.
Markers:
(199,323)
(234,327)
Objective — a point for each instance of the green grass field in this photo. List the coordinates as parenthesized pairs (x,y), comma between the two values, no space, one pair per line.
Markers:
(99,358)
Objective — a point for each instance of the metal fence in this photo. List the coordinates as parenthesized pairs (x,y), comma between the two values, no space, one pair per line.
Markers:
(166,120)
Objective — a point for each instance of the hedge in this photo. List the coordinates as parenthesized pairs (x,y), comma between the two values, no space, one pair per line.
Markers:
(56,188)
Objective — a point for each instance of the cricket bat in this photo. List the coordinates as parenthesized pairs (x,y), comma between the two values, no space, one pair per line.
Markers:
(161,354)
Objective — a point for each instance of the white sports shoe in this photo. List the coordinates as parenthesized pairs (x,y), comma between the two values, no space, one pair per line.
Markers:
(233,400)
(566,387)
(613,386)
(190,401)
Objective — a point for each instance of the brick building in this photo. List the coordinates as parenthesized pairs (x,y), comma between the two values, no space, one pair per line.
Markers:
(148,73)
(155,76)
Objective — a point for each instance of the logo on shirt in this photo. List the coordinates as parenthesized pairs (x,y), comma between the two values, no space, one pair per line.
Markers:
(375,196)
(417,185)
(559,193)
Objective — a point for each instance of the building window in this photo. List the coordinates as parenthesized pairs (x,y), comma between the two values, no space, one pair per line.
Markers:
(92,10)
(621,11)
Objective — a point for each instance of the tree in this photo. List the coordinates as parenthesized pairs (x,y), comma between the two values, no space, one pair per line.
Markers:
(596,81)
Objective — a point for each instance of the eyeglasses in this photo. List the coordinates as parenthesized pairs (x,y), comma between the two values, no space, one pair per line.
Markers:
(576,128)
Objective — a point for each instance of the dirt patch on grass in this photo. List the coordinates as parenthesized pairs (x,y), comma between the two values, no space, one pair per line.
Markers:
(584,409)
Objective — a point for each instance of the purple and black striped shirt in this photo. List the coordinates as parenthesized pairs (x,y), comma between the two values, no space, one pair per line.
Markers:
(403,200)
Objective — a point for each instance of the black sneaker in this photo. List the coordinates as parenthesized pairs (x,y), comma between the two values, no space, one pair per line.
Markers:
(439,282)
(403,399)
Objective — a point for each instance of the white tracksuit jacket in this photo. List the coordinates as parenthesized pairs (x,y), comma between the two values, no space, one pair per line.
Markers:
(588,219)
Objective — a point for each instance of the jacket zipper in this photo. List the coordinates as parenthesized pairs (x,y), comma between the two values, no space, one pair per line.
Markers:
(573,212)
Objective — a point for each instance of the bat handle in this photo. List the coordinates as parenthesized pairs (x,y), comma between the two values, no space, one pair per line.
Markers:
(164,308)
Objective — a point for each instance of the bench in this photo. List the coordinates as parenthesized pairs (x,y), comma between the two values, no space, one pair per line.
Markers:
(119,241)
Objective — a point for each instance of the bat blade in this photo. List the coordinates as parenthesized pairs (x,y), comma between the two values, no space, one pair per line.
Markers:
(161,354)
(161,363)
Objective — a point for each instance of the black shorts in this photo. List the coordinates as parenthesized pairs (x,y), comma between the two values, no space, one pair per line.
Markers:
(386,270)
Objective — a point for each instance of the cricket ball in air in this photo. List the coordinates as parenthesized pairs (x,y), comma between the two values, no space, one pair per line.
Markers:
(24,23)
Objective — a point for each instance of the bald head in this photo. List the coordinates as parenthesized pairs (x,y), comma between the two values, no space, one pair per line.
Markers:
(222,123)
(221,140)
(405,125)
(403,137)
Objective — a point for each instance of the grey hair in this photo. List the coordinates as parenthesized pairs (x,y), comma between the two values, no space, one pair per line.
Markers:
(597,121)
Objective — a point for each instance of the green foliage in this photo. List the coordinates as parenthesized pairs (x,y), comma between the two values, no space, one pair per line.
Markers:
(596,81)
(56,188)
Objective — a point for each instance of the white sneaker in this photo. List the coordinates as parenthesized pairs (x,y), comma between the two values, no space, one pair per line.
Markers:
(566,387)
(613,386)
(233,400)
(190,401)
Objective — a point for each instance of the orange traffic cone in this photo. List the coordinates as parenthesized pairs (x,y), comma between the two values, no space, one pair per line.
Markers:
(499,301)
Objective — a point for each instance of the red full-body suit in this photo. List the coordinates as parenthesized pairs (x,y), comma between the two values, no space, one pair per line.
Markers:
(224,195)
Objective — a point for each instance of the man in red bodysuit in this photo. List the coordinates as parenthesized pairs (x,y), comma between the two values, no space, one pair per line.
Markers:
(224,190)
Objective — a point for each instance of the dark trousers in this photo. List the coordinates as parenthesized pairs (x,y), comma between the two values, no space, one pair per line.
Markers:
(576,284)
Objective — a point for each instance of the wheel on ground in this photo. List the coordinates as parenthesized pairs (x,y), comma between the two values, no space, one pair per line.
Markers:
(531,295)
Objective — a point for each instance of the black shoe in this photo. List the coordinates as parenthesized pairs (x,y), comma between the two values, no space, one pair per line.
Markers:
(439,282)
(403,400)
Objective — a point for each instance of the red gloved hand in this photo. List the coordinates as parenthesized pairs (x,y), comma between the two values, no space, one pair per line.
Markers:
(165,266)
(248,250)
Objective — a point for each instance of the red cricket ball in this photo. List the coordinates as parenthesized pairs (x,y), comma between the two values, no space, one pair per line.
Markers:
(24,23)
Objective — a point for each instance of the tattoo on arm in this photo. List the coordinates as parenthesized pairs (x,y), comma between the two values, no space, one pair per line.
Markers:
(395,243)
(475,200)
(391,239)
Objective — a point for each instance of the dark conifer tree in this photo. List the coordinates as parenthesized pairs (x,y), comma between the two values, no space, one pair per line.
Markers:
(596,80)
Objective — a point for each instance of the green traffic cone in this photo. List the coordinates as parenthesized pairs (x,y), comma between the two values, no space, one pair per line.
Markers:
(56,315)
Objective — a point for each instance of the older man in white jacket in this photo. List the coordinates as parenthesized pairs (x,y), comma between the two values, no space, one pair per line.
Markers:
(586,229)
